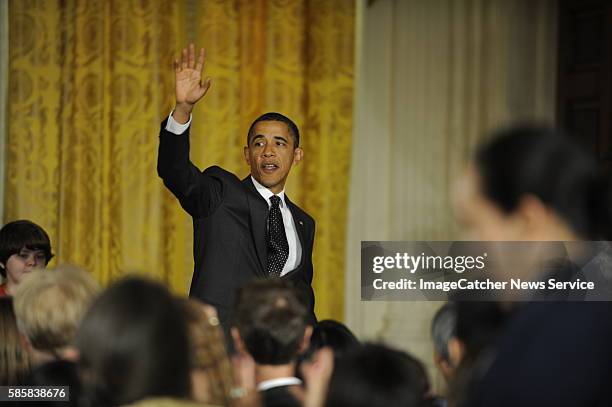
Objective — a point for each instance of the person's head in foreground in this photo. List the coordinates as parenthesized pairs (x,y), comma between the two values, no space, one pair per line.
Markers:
(533,183)
(378,376)
(15,359)
(272,149)
(211,370)
(335,335)
(24,246)
(49,306)
(270,324)
(133,345)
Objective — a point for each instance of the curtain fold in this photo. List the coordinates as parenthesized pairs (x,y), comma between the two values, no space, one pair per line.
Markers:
(90,82)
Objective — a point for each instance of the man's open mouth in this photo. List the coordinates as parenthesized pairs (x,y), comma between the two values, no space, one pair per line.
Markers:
(269,168)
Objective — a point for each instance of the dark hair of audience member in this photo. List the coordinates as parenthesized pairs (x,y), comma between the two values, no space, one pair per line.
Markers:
(133,344)
(539,161)
(376,376)
(271,320)
(443,328)
(15,360)
(332,334)
(18,234)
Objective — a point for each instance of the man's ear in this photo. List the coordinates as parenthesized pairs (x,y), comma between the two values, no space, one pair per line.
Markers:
(238,343)
(246,155)
(305,339)
(298,155)
(533,213)
(456,351)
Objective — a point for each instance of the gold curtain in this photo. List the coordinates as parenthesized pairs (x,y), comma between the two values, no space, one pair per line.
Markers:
(90,82)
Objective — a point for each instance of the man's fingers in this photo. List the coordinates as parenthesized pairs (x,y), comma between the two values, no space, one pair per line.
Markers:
(200,64)
(206,86)
(177,65)
(191,62)
(184,58)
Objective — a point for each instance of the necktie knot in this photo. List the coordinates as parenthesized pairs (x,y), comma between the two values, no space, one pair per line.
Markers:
(275,200)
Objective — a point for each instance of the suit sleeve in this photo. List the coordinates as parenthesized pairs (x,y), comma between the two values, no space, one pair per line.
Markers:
(198,192)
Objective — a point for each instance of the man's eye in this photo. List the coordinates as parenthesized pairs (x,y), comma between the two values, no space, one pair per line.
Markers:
(280,143)
(24,255)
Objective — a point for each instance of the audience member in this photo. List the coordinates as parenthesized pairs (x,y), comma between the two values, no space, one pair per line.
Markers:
(14,357)
(270,324)
(377,376)
(133,344)
(49,306)
(24,246)
(211,371)
(334,335)
(531,183)
(444,336)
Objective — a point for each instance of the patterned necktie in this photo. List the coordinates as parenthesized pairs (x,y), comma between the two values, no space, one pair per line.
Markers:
(278,248)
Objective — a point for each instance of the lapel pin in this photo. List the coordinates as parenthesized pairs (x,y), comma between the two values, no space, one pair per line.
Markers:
(301,223)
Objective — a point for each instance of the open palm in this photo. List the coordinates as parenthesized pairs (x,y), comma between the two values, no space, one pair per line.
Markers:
(188,75)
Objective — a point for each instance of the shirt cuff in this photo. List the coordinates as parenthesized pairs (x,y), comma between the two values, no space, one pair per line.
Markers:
(176,128)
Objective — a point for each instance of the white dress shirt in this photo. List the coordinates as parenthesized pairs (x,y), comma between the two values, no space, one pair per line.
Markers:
(279,382)
(295,248)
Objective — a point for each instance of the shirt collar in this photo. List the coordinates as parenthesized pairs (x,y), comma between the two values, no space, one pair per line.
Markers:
(266,193)
(278,382)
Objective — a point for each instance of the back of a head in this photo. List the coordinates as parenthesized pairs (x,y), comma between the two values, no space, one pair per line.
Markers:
(14,359)
(377,376)
(50,305)
(545,163)
(133,344)
(333,334)
(443,328)
(208,351)
(271,320)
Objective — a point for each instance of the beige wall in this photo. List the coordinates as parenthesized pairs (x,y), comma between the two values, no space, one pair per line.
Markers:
(432,77)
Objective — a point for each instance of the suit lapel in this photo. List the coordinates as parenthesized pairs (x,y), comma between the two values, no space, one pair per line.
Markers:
(258,209)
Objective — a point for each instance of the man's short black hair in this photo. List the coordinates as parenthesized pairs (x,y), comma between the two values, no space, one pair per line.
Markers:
(271,319)
(18,234)
(277,117)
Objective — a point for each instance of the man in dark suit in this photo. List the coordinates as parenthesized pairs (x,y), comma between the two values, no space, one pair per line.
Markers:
(243,229)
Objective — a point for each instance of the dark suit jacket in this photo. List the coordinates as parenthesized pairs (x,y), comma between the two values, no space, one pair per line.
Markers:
(552,354)
(229,225)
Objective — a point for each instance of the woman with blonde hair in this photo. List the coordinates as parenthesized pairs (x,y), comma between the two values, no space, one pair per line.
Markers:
(211,370)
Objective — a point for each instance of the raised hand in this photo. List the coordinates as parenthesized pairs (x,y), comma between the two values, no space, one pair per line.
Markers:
(317,373)
(188,82)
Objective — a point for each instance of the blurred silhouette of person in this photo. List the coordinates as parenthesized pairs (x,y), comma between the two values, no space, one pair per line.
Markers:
(531,183)
(377,376)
